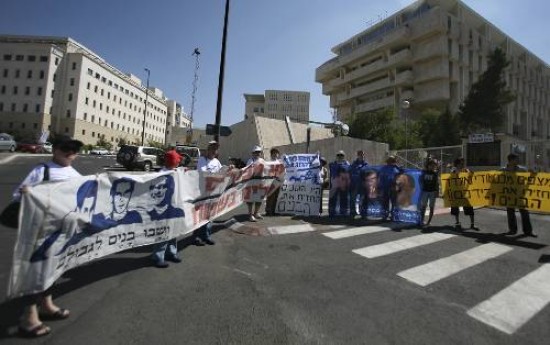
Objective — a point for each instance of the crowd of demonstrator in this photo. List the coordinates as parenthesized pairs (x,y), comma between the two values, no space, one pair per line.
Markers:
(341,192)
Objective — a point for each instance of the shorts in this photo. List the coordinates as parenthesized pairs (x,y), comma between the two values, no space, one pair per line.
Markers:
(428,197)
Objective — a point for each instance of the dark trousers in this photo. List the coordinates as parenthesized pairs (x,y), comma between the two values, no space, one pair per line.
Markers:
(271,203)
(525,220)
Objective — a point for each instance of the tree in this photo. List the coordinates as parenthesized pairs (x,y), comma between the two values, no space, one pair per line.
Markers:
(483,108)
(122,141)
(438,129)
(104,143)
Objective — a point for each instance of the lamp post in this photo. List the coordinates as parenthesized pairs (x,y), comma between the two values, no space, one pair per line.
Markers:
(221,75)
(405,105)
(145,110)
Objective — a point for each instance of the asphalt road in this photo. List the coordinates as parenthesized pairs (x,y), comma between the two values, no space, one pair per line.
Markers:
(300,281)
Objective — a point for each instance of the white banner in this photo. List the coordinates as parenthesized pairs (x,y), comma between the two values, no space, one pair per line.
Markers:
(300,193)
(66,224)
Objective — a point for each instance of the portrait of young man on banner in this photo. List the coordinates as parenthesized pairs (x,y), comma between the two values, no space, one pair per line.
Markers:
(339,203)
(407,193)
(371,202)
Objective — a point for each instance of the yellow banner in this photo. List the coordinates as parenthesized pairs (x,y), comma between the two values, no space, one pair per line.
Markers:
(497,188)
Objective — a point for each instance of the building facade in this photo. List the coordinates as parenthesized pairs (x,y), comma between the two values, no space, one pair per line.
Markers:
(56,84)
(178,123)
(430,53)
(278,104)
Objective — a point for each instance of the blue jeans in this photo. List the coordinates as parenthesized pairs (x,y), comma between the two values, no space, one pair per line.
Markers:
(169,248)
(204,231)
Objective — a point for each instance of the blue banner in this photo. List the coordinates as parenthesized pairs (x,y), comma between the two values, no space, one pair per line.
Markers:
(339,198)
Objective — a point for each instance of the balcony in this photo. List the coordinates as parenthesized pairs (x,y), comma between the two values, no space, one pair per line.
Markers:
(323,71)
(376,104)
(365,89)
(401,56)
(405,77)
(428,24)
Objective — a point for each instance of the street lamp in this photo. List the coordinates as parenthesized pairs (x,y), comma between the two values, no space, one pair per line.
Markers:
(221,74)
(145,110)
(405,105)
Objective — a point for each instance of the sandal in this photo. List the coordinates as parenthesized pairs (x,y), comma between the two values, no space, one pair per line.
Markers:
(39,330)
(59,314)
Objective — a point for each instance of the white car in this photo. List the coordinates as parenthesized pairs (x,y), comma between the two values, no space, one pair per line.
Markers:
(99,151)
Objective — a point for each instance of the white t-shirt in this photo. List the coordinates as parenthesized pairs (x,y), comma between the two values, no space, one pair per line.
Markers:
(252,161)
(208,165)
(57,173)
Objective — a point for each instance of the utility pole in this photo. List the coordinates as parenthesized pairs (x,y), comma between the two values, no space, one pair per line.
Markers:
(222,70)
(145,110)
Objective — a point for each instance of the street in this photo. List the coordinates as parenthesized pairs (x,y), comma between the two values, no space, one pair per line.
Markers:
(286,280)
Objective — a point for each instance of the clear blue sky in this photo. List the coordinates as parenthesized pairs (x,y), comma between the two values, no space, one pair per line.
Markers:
(271,44)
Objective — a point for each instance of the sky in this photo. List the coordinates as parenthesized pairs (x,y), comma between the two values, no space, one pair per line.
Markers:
(271,45)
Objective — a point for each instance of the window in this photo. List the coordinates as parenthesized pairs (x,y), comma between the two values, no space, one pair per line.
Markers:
(93,134)
(37,108)
(71,81)
(3,90)
(83,132)
(7,57)
(103,79)
(27,90)
(25,107)
(15,90)
(70,97)
(29,74)
(19,58)
(42,74)
(90,72)
(11,124)
(86,101)
(43,58)
(95,89)
(66,129)
(100,106)
(53,93)
(23,125)
(31,58)
(74,66)
(1,106)
(54,76)
(17,73)
(5,74)
(93,118)
(93,103)
(56,61)
(39,91)
(13,107)
(101,92)
(35,125)
(68,113)
(88,86)
(85,116)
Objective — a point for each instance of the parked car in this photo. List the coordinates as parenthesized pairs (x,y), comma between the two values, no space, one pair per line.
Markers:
(139,157)
(190,155)
(30,147)
(7,143)
(99,151)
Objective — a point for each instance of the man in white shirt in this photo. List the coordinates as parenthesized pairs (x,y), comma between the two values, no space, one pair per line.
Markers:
(207,163)
(254,207)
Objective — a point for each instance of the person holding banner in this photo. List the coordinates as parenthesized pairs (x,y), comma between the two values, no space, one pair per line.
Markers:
(169,249)
(356,190)
(513,166)
(386,177)
(459,167)
(208,163)
(429,181)
(254,207)
(271,200)
(64,151)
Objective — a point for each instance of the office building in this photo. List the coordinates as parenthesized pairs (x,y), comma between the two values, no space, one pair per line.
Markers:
(278,104)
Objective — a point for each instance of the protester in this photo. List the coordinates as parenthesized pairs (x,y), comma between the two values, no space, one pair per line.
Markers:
(429,181)
(356,189)
(271,201)
(65,150)
(386,178)
(459,167)
(208,163)
(339,202)
(341,158)
(169,249)
(323,181)
(254,207)
(513,166)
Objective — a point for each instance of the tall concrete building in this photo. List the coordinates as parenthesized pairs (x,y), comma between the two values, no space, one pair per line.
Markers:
(278,104)
(430,53)
(177,124)
(56,84)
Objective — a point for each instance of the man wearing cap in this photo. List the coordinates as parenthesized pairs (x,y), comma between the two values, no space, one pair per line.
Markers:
(358,164)
(208,163)
(254,207)
(64,152)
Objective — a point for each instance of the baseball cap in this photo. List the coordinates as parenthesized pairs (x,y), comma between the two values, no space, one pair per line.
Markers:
(172,158)
(257,148)
(66,143)
(341,153)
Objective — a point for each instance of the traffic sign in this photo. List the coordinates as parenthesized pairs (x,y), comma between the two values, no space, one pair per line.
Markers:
(211,129)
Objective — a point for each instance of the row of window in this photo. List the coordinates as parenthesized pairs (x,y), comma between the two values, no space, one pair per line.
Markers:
(30,58)
(122,89)
(17,73)
(25,108)
(15,90)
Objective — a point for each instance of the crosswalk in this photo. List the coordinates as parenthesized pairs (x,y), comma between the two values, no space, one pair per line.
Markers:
(507,310)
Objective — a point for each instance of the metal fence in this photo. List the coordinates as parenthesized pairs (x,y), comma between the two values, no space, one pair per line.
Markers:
(416,158)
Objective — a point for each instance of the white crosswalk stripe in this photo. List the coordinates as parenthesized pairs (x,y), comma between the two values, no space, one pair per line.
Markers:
(512,307)
(400,245)
(363,230)
(439,269)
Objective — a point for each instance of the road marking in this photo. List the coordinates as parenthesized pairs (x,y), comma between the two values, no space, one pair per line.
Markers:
(362,230)
(436,270)
(512,307)
(235,226)
(400,245)
(290,229)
